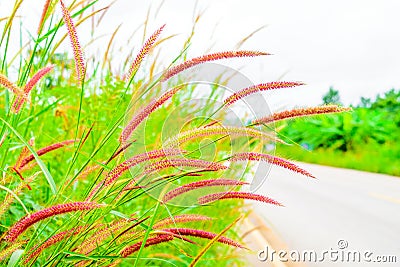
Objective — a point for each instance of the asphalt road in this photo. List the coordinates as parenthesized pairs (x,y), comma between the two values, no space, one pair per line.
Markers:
(351,212)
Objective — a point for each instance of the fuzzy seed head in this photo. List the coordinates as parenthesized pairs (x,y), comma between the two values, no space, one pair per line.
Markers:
(43,17)
(236,195)
(124,166)
(19,100)
(149,242)
(202,234)
(76,47)
(244,156)
(194,163)
(36,251)
(181,219)
(300,112)
(200,184)
(87,171)
(145,112)
(5,82)
(218,130)
(257,88)
(43,151)
(148,45)
(9,198)
(18,228)
(207,58)
(99,236)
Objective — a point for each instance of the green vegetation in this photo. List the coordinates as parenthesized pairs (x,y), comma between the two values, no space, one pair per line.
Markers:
(122,169)
(365,139)
(88,156)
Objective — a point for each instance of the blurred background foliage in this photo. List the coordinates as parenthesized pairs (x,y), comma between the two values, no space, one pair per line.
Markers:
(365,139)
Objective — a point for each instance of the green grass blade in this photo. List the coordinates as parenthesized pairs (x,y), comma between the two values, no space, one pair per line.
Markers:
(15,258)
(16,197)
(43,167)
(212,241)
(147,233)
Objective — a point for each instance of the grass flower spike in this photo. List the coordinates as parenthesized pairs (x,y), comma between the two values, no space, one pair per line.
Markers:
(52,241)
(218,130)
(300,112)
(124,166)
(238,195)
(5,82)
(43,151)
(9,198)
(207,58)
(148,45)
(150,242)
(181,219)
(24,153)
(117,171)
(19,100)
(202,234)
(145,112)
(244,156)
(259,87)
(43,16)
(88,170)
(194,163)
(200,184)
(23,224)
(76,47)
(100,235)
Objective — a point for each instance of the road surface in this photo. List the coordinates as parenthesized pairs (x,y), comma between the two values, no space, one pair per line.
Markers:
(351,212)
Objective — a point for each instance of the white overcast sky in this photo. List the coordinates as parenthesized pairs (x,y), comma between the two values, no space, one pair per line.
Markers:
(352,45)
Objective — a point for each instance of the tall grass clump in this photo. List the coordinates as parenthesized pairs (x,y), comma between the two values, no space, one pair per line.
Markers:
(94,172)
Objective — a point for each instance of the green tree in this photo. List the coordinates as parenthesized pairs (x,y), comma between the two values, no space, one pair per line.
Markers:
(365,102)
(332,97)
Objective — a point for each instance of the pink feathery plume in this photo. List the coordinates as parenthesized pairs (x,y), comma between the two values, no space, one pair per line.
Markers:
(300,112)
(237,195)
(24,153)
(42,18)
(99,236)
(259,87)
(218,130)
(181,219)
(207,58)
(200,184)
(18,228)
(43,151)
(202,234)
(244,156)
(19,101)
(145,112)
(121,168)
(194,163)
(36,251)
(88,170)
(5,82)
(149,242)
(148,45)
(124,166)
(76,47)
